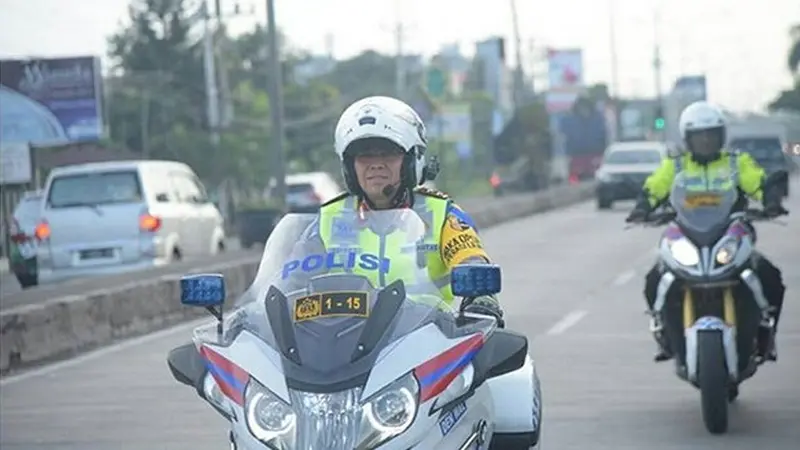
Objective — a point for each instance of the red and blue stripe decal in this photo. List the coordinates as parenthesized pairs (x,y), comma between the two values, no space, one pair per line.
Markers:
(437,373)
(230,378)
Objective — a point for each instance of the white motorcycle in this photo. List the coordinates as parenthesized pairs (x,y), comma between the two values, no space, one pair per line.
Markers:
(722,327)
(316,357)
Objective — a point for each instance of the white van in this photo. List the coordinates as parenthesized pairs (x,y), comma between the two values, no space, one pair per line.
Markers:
(305,192)
(121,216)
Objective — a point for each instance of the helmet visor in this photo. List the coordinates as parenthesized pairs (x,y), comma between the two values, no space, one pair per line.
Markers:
(705,142)
(373,146)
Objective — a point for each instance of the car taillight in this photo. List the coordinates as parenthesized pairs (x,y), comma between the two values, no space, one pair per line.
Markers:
(42,231)
(494,180)
(16,235)
(149,222)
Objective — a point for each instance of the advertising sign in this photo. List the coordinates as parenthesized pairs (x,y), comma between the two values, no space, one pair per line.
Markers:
(51,101)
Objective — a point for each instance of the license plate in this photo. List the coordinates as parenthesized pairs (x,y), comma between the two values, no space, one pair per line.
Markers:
(97,253)
(701,200)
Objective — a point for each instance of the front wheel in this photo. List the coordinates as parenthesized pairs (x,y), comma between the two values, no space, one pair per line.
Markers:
(713,380)
(27,280)
(604,202)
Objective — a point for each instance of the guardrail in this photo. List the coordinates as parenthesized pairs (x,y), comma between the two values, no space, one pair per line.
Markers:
(84,315)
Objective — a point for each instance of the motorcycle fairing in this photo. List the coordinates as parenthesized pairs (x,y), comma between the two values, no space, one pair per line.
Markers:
(230,378)
(437,373)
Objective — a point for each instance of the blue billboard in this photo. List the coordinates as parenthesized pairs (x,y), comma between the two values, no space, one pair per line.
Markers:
(51,101)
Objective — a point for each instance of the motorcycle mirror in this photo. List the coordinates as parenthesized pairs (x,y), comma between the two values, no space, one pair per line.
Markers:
(186,365)
(504,352)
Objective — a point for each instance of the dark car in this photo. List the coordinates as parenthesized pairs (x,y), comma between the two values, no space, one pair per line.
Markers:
(22,234)
(624,168)
(516,178)
(767,151)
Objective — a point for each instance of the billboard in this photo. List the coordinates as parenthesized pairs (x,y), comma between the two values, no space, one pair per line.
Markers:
(51,101)
(565,78)
(453,123)
(565,83)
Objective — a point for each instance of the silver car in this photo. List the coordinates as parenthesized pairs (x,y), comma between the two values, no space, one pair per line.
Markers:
(121,216)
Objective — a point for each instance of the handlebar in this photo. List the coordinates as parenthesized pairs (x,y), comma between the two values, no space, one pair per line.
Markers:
(656,219)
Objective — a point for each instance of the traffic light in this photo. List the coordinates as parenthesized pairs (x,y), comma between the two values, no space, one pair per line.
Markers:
(659,121)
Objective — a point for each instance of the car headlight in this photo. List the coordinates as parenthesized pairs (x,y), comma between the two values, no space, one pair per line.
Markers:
(389,412)
(269,419)
(603,176)
(727,252)
(684,252)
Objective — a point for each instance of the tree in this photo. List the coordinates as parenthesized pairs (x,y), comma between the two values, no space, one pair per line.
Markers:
(369,73)
(161,81)
(789,100)
(794,51)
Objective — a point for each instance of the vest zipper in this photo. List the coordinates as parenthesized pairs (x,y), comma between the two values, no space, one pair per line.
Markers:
(381,257)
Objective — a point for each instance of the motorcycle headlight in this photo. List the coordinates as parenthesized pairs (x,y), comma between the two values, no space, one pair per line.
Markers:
(727,252)
(269,419)
(213,395)
(389,412)
(685,252)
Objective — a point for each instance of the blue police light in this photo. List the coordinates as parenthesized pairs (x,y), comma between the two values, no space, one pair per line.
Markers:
(473,280)
(205,290)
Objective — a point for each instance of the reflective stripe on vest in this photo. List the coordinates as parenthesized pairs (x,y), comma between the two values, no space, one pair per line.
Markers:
(340,227)
(711,182)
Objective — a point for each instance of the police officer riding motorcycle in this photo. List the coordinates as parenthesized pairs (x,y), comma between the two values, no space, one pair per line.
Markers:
(381,144)
(703,129)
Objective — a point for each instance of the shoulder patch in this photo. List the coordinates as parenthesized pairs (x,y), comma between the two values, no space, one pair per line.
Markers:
(339,197)
(431,192)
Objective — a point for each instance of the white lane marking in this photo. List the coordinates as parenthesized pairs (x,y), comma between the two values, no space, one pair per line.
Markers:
(567,322)
(124,345)
(624,277)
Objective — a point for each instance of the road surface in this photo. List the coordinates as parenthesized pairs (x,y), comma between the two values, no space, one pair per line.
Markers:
(573,281)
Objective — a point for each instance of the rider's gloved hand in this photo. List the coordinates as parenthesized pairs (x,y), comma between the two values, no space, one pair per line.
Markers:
(637,215)
(772,210)
(488,306)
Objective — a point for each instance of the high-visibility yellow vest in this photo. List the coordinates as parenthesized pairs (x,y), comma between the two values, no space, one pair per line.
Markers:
(418,264)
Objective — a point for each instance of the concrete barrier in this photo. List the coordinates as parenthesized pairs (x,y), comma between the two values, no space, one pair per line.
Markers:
(65,326)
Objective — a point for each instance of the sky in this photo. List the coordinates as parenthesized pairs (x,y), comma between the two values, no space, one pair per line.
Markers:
(741,46)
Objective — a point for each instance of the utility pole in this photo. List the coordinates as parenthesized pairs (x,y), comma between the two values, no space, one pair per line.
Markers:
(615,94)
(519,76)
(400,66)
(612,38)
(210,66)
(657,66)
(212,94)
(276,105)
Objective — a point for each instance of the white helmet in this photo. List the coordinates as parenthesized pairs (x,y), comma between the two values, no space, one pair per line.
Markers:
(385,118)
(700,116)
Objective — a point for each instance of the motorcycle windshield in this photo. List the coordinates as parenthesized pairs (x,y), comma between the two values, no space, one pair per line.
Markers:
(329,303)
(701,210)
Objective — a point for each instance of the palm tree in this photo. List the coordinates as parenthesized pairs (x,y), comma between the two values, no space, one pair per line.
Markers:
(794,50)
